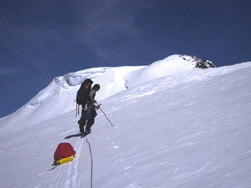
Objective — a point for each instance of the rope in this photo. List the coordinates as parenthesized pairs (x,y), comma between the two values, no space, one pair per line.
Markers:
(91,158)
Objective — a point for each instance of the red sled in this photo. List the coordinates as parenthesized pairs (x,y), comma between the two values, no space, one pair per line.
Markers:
(63,154)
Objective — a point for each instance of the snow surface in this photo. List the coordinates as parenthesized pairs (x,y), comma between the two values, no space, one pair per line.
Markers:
(190,129)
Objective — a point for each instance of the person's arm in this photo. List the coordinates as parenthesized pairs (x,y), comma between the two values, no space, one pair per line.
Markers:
(91,96)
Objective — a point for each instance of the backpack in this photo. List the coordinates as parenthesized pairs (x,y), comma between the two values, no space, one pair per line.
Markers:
(83,92)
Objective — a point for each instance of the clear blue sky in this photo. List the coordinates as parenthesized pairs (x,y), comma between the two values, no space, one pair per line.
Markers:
(43,39)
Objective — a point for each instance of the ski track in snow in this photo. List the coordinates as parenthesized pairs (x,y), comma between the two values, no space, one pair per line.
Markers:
(69,172)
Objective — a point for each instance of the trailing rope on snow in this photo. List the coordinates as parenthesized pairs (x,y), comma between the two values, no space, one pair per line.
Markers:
(91,159)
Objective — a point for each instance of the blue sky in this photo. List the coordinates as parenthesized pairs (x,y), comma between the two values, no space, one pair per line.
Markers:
(43,39)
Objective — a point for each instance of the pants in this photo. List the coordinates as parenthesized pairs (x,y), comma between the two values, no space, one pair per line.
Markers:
(87,118)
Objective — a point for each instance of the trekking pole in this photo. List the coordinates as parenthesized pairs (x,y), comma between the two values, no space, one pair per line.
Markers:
(105,114)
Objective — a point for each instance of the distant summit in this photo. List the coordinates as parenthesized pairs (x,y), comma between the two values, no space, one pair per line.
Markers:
(199,63)
(171,65)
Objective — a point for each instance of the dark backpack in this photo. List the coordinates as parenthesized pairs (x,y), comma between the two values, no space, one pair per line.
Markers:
(83,92)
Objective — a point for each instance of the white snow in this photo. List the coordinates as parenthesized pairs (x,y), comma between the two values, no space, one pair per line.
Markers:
(183,128)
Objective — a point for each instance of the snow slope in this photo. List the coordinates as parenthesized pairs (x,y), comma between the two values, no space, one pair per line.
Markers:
(58,98)
(187,130)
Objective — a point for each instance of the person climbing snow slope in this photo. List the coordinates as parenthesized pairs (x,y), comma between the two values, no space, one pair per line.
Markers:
(89,112)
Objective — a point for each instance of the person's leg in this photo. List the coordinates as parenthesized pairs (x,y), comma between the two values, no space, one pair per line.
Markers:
(90,122)
(82,122)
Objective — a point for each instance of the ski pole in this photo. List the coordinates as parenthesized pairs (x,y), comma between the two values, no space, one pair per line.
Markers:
(105,115)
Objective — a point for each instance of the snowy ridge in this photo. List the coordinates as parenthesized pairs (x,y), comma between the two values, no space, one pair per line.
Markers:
(188,130)
(48,104)
(171,65)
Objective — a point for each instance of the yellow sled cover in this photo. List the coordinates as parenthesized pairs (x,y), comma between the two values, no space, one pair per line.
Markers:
(65,160)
